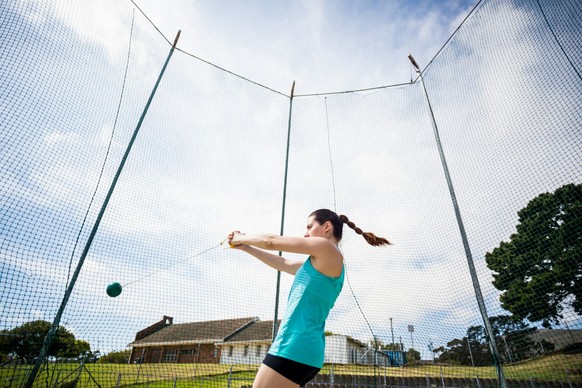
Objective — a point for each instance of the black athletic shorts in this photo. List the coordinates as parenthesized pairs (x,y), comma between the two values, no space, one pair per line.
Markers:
(295,371)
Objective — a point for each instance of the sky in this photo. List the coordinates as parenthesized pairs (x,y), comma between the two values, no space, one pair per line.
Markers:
(324,47)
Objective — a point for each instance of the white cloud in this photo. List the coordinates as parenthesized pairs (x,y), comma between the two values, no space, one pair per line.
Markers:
(95,23)
(59,137)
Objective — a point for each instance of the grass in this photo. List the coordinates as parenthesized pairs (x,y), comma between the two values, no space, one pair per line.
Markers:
(108,375)
(547,368)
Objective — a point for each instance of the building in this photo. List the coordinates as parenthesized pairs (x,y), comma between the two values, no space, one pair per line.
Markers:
(193,342)
(396,357)
(249,346)
(342,349)
(232,341)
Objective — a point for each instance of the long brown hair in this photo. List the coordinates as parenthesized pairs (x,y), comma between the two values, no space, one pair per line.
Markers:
(324,215)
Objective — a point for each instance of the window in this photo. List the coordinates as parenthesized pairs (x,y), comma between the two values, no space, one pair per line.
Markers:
(186,352)
(246,351)
(258,350)
(230,351)
(170,355)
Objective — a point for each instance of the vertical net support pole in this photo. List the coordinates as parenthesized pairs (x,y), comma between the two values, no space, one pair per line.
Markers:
(278,287)
(473,272)
(48,339)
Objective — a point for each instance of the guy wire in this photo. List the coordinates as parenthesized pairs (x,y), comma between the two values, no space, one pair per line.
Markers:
(330,158)
(374,339)
(107,152)
(176,263)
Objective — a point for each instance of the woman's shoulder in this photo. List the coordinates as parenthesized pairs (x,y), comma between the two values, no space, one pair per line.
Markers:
(330,265)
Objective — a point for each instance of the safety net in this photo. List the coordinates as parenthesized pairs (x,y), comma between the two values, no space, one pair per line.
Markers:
(126,162)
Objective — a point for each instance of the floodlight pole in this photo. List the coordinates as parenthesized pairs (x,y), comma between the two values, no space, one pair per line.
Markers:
(473,272)
(392,331)
(278,287)
(48,339)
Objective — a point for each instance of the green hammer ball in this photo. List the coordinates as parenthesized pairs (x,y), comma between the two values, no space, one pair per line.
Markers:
(114,289)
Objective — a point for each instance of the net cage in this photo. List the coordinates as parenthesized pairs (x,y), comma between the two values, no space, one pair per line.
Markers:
(111,219)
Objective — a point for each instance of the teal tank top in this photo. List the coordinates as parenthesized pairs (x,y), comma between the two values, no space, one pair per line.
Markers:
(301,336)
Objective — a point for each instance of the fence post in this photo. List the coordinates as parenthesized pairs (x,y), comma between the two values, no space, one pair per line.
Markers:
(442,377)
(137,376)
(331,377)
(57,379)
(568,377)
(118,380)
(385,369)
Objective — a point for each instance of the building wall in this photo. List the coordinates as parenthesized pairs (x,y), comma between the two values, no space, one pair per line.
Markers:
(356,354)
(340,349)
(251,353)
(396,357)
(336,349)
(202,353)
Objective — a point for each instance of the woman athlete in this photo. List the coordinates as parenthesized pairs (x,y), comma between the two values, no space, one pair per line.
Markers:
(297,353)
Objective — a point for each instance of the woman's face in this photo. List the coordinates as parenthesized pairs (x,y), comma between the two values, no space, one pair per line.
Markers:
(315,229)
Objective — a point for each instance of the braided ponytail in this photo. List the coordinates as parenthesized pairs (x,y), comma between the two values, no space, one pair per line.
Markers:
(371,238)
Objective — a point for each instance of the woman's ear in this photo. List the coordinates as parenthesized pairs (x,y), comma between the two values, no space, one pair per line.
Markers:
(327,226)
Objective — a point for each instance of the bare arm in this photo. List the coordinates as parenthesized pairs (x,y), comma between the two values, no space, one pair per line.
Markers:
(325,256)
(313,246)
(272,260)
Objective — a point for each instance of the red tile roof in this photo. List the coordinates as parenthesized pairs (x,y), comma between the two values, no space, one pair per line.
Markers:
(196,332)
(258,331)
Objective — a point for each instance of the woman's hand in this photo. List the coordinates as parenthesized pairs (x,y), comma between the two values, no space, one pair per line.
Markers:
(233,240)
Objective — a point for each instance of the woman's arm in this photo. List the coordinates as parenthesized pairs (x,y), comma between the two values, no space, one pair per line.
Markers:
(272,260)
(313,246)
(325,256)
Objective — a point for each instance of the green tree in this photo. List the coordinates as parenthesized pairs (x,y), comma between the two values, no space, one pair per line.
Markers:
(74,348)
(115,357)
(412,355)
(516,337)
(512,337)
(539,271)
(455,352)
(26,341)
(376,342)
(7,341)
(392,347)
(477,346)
